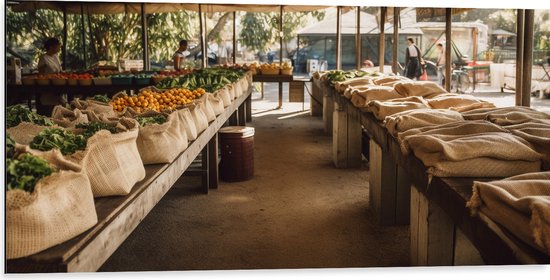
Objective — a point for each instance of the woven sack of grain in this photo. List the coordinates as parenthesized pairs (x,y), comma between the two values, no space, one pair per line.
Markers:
(68,118)
(404,121)
(24,132)
(231,90)
(389,79)
(451,128)
(244,85)
(238,89)
(99,108)
(507,116)
(419,88)
(187,123)
(60,208)
(206,107)
(488,154)
(223,94)
(382,109)
(161,143)
(456,102)
(538,135)
(216,103)
(354,82)
(360,98)
(201,123)
(351,90)
(520,204)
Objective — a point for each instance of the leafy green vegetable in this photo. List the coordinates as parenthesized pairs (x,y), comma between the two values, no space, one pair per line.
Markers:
(158,119)
(91,128)
(101,98)
(19,113)
(25,171)
(210,79)
(10,146)
(64,140)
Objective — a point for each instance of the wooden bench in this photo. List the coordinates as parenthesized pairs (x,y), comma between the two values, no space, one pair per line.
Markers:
(119,216)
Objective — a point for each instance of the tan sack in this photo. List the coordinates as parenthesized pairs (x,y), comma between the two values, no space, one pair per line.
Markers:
(201,123)
(223,94)
(382,109)
(60,208)
(424,89)
(244,85)
(216,103)
(360,98)
(24,132)
(161,143)
(507,116)
(99,108)
(68,118)
(447,101)
(187,123)
(406,120)
(483,167)
(538,135)
(231,90)
(206,107)
(521,204)
(389,79)
(353,82)
(238,89)
(350,90)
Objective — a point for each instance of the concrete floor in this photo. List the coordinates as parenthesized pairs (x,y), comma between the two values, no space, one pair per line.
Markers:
(297,212)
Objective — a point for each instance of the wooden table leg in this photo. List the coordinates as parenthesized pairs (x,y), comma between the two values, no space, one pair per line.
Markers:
(280,95)
(241,115)
(213,178)
(205,165)
(233,119)
(262,90)
(248,103)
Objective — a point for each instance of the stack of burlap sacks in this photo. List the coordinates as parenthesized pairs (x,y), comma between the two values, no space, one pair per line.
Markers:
(62,205)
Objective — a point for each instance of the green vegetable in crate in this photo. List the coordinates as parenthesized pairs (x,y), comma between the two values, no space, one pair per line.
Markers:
(10,147)
(19,113)
(158,119)
(102,98)
(92,127)
(64,140)
(25,171)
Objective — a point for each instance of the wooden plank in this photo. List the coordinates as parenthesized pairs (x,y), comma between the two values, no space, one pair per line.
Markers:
(248,108)
(402,197)
(354,138)
(316,100)
(280,95)
(520,22)
(272,78)
(339,137)
(296,91)
(205,186)
(382,185)
(241,115)
(382,39)
(119,216)
(527,58)
(328,109)
(465,253)
(213,171)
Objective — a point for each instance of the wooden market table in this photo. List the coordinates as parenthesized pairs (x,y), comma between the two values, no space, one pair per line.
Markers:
(118,216)
(442,231)
(280,79)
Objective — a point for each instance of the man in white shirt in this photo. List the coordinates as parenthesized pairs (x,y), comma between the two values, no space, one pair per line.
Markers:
(413,69)
(179,56)
(440,64)
(49,62)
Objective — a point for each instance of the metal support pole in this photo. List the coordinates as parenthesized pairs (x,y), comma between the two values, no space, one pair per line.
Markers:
(203,44)
(64,51)
(395,45)
(84,53)
(382,42)
(519,56)
(358,39)
(338,37)
(234,37)
(280,38)
(144,38)
(448,47)
(527,58)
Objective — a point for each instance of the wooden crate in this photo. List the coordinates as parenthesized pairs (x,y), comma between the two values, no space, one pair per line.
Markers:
(296,92)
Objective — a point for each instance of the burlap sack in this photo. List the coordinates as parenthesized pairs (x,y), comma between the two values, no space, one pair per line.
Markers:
(483,167)
(447,101)
(419,88)
(538,135)
(68,118)
(520,204)
(91,105)
(506,116)
(389,79)
(201,123)
(231,90)
(24,132)
(60,208)
(216,103)
(161,143)
(244,84)
(187,123)
(238,89)
(348,93)
(359,81)
(404,121)
(473,106)
(382,109)
(360,98)
(223,94)
(206,107)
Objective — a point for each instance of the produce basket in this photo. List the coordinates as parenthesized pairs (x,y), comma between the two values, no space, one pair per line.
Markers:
(142,81)
(102,81)
(270,71)
(287,71)
(59,82)
(28,81)
(42,82)
(72,82)
(85,82)
(122,81)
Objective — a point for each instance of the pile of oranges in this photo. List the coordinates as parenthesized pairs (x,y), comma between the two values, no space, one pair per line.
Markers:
(157,101)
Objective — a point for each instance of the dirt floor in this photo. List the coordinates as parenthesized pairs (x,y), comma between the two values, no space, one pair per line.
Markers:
(298,211)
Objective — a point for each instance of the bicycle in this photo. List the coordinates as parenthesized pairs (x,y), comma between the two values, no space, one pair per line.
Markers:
(460,81)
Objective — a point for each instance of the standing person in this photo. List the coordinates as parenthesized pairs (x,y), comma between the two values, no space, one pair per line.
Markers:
(49,63)
(222,54)
(441,64)
(179,57)
(413,67)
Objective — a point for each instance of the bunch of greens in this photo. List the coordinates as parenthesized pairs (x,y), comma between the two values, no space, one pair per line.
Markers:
(19,113)
(101,98)
(25,171)
(158,119)
(64,140)
(92,127)
(10,147)
(209,79)
(340,75)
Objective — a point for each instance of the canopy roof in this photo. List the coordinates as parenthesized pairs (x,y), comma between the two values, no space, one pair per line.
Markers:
(133,7)
(501,32)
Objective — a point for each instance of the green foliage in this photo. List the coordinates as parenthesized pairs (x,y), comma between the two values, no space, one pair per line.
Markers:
(19,113)
(158,119)
(101,98)
(25,171)
(92,127)
(64,140)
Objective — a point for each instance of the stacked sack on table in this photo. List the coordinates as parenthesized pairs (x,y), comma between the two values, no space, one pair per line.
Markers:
(521,204)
